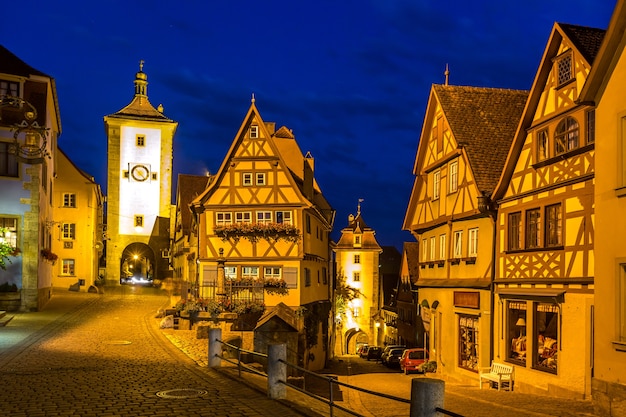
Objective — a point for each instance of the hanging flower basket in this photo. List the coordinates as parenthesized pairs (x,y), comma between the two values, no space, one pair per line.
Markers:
(49,256)
(257,231)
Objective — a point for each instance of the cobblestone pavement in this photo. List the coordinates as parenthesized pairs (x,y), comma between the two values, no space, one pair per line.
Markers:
(102,355)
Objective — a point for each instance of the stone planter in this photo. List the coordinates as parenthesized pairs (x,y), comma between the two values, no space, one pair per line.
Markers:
(10,301)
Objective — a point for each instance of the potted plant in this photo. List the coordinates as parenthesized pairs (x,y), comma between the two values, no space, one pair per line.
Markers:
(49,256)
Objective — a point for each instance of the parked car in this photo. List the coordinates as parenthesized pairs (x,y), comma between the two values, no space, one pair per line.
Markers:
(374,352)
(412,359)
(387,349)
(362,350)
(393,357)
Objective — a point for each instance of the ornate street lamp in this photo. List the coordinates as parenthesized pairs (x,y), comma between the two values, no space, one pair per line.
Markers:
(33,148)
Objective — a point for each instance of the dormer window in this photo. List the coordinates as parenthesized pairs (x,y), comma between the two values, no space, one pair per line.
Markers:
(254,132)
(564,68)
(357,240)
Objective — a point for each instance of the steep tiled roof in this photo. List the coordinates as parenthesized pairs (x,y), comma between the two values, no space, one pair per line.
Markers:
(586,39)
(141,108)
(483,121)
(357,224)
(411,252)
(189,187)
(11,64)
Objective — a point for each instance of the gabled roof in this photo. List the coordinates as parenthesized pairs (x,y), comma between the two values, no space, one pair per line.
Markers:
(587,41)
(188,188)
(411,258)
(483,121)
(356,224)
(11,64)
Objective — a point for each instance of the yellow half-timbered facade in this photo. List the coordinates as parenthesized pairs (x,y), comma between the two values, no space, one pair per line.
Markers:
(545,226)
(605,86)
(465,138)
(263,221)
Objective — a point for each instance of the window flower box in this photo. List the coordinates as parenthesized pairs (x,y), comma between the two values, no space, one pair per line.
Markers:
(253,232)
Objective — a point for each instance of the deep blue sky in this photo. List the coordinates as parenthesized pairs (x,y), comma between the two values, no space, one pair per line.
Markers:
(350,78)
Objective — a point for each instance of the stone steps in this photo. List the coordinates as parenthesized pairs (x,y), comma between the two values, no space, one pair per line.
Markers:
(4,319)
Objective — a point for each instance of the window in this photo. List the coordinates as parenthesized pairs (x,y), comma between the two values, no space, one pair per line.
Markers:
(246,178)
(263,217)
(243,217)
(324,276)
(458,244)
(8,162)
(307,220)
(442,247)
(10,235)
(516,331)
(564,68)
(533,228)
(9,88)
(356,276)
(566,136)
(138,220)
(542,145)
(433,248)
(453,176)
(547,337)
(357,240)
(284,217)
(436,184)
(250,272)
(621,336)
(223,218)
(68,230)
(472,242)
(357,259)
(69,200)
(468,342)
(67,267)
(260,178)
(141,140)
(591,126)
(553,225)
(622,155)
(254,132)
(515,231)
(307,277)
(230,272)
(271,272)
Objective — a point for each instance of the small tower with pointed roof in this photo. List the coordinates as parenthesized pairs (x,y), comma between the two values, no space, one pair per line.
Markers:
(357,256)
(139,187)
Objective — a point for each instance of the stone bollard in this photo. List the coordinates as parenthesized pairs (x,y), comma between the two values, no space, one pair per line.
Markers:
(277,372)
(426,395)
(215,347)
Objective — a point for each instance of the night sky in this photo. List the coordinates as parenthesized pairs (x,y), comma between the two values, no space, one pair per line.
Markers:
(350,78)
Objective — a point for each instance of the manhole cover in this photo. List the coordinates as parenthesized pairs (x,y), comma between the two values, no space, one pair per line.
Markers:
(118,342)
(181,393)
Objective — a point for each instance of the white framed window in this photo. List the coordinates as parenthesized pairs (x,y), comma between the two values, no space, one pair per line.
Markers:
(272,272)
(10,234)
(453,176)
(472,242)
(458,244)
(246,179)
(442,246)
(223,218)
(284,217)
(243,217)
(230,272)
(250,272)
(67,267)
(254,132)
(433,248)
(69,200)
(357,259)
(424,250)
(263,217)
(68,231)
(436,184)
(260,178)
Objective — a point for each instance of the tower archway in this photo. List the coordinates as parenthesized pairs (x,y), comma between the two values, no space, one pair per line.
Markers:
(137,264)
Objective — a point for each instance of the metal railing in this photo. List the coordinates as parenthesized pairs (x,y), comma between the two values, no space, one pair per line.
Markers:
(426,393)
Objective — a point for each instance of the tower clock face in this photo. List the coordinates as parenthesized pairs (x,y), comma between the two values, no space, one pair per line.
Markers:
(140,173)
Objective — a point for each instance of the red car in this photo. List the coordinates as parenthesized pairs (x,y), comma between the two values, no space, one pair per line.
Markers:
(412,359)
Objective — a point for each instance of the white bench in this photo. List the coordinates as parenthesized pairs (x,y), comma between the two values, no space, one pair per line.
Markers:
(500,373)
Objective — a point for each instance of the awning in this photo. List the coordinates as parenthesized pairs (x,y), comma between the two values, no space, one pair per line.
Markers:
(542,295)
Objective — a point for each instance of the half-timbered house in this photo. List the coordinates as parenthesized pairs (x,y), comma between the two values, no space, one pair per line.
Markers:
(264,229)
(465,138)
(545,228)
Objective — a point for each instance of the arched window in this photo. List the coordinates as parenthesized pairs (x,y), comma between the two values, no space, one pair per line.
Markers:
(566,136)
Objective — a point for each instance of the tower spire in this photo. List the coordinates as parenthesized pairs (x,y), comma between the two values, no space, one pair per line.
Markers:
(141,81)
(358,207)
(447,74)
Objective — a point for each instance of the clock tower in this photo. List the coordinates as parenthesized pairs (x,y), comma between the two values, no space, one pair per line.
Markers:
(139,187)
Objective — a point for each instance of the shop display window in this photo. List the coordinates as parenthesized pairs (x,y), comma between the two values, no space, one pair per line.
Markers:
(468,342)
(516,331)
(547,337)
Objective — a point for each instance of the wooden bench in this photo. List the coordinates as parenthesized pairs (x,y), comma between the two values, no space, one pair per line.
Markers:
(499,373)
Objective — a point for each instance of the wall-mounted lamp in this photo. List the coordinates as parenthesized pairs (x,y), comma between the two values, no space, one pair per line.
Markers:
(29,139)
